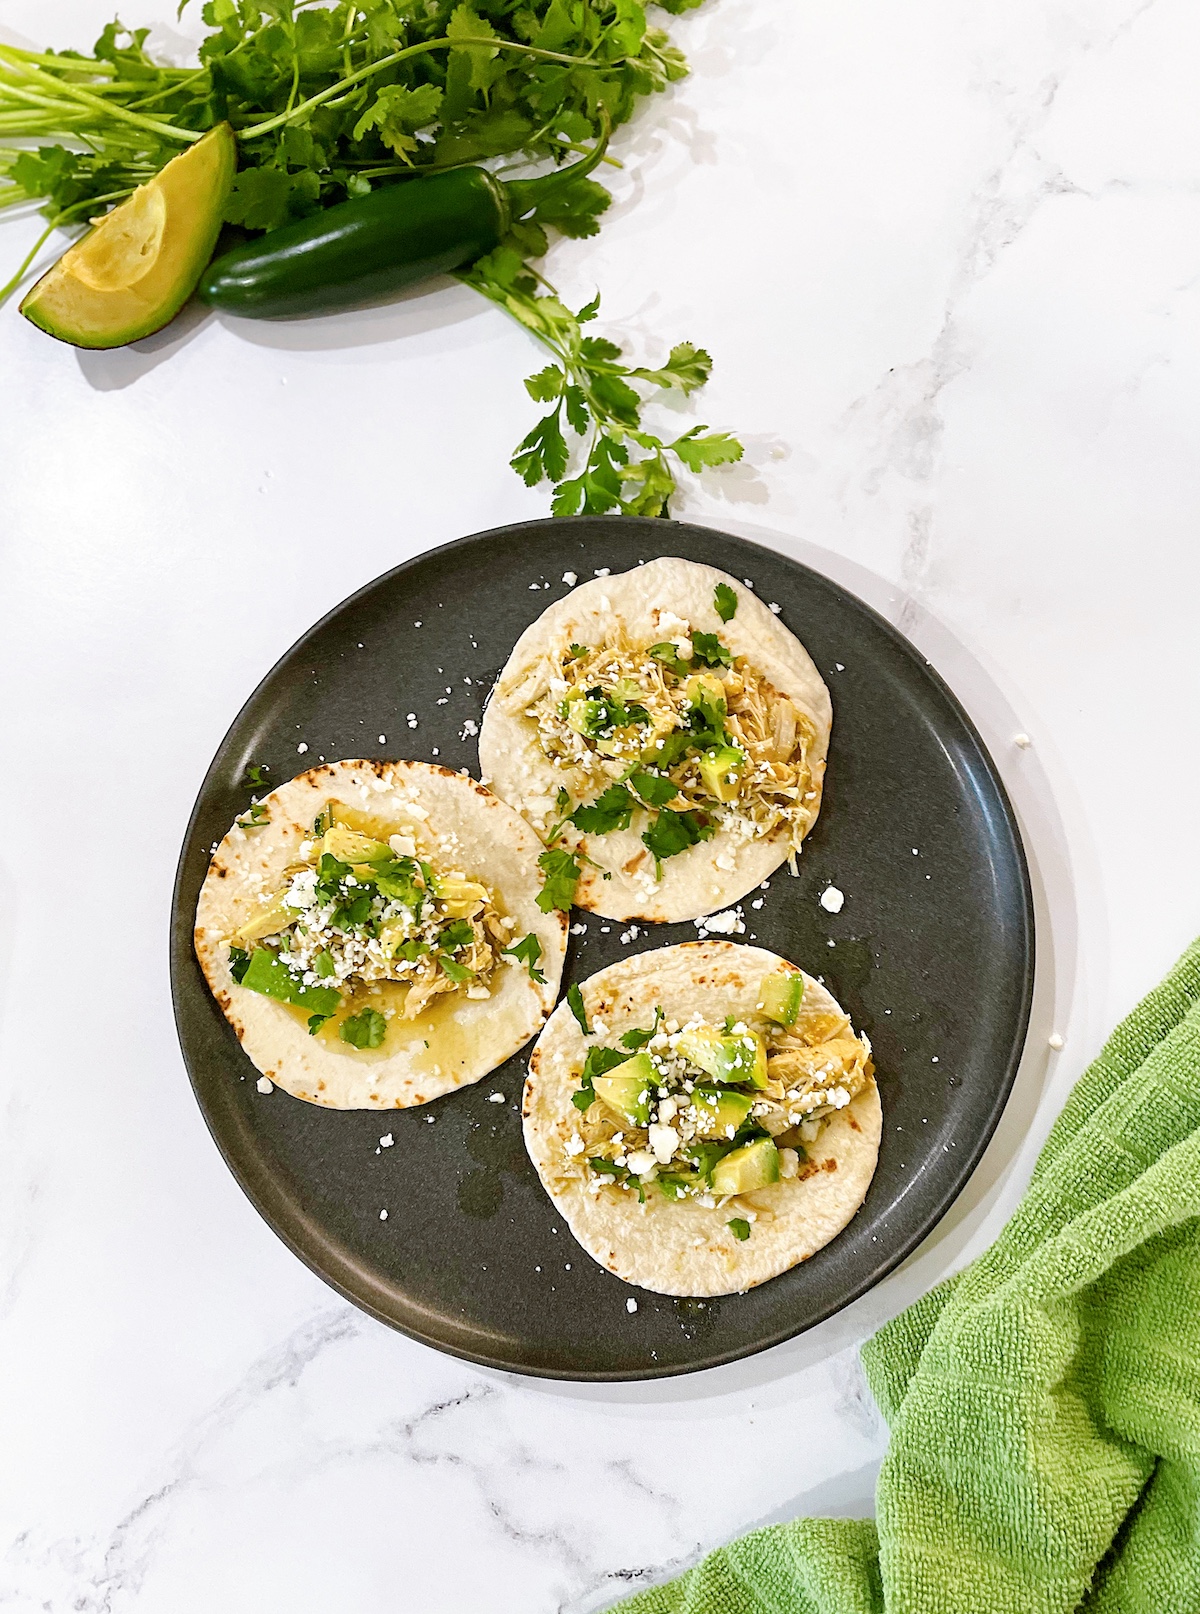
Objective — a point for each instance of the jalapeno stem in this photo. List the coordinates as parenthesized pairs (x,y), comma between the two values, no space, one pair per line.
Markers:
(525,194)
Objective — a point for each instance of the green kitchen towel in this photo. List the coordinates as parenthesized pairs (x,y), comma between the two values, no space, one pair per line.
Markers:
(1044,1404)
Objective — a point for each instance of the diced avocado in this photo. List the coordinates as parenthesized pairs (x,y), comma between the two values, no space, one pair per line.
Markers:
(267,923)
(134,271)
(585,714)
(267,974)
(705,687)
(720,1112)
(754,1165)
(726,1057)
(350,846)
(780,996)
(462,899)
(721,770)
(627,1089)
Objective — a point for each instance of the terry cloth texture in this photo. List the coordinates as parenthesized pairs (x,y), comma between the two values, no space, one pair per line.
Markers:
(1044,1404)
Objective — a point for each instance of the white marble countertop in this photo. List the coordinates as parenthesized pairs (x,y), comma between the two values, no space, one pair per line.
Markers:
(947,260)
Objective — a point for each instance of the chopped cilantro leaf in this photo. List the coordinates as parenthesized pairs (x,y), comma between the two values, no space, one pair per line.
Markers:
(598,716)
(672,833)
(324,965)
(527,951)
(612,810)
(584,1098)
(330,874)
(459,933)
(256,776)
(704,1156)
(410,951)
(561,871)
(668,654)
(575,1004)
(638,1038)
(316,1021)
(255,816)
(578,650)
(364,1030)
(654,789)
(458,973)
(672,1186)
(600,1164)
(739,1227)
(353,915)
(398,880)
(600,1060)
(708,651)
(239,963)
(562,801)
(725,601)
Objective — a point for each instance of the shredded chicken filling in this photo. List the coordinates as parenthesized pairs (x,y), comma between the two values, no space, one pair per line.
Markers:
(680,1142)
(736,750)
(353,911)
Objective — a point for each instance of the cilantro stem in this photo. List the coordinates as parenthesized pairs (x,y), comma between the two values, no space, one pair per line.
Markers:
(75,92)
(409,51)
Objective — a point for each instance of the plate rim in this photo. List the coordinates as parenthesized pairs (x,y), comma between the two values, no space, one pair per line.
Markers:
(268,1203)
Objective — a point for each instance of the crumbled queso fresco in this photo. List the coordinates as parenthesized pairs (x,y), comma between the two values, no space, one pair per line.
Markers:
(707,1112)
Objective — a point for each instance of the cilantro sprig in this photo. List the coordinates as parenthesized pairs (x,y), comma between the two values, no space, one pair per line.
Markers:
(527,951)
(329,102)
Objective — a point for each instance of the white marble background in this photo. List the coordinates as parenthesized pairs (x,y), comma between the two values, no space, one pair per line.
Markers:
(947,259)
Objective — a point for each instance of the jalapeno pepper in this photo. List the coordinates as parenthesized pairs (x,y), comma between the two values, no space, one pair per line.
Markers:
(378,244)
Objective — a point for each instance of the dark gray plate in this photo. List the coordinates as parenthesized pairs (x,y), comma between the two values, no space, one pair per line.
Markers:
(932,956)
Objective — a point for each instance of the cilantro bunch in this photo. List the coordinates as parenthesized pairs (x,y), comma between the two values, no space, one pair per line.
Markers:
(329,101)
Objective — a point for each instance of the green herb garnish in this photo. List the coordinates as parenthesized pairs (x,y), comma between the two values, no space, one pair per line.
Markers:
(638,1038)
(725,602)
(578,650)
(708,651)
(316,1021)
(668,654)
(452,938)
(612,810)
(527,951)
(671,833)
(401,879)
(366,1029)
(654,788)
(255,815)
(239,962)
(739,1227)
(600,1061)
(575,1004)
(324,965)
(255,777)
(458,973)
(561,872)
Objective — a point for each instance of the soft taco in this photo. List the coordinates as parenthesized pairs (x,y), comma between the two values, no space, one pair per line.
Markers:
(717,1121)
(372,933)
(666,736)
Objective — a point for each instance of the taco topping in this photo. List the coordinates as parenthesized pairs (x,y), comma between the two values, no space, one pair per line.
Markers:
(355,911)
(681,734)
(708,1112)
